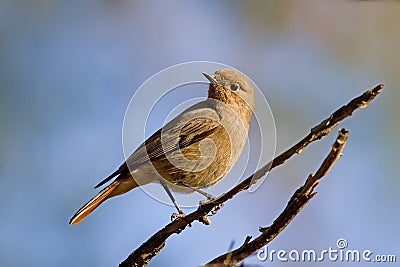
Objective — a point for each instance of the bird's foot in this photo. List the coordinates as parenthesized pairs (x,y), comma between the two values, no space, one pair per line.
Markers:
(176,216)
(210,198)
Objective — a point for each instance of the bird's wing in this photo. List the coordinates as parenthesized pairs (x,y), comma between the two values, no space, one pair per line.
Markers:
(177,134)
(122,169)
(169,140)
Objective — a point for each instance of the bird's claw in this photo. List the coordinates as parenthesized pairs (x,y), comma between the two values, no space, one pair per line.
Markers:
(176,216)
(206,201)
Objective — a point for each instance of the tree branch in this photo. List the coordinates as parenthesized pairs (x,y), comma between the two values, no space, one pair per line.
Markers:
(296,203)
(143,254)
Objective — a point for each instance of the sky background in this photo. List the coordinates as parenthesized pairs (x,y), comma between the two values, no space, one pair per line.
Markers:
(68,70)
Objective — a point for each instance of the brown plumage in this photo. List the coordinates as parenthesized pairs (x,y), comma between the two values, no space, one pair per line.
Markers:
(196,149)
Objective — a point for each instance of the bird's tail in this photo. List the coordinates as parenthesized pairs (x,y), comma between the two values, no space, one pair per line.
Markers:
(95,202)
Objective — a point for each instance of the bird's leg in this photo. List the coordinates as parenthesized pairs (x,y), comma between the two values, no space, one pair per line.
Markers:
(180,212)
(210,198)
(207,195)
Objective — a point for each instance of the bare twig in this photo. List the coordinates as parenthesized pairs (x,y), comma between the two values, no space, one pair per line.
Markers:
(143,254)
(296,203)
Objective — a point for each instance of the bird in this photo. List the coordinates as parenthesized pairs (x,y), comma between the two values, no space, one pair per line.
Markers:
(193,151)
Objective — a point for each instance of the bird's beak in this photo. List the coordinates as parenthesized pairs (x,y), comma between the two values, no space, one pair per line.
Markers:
(210,78)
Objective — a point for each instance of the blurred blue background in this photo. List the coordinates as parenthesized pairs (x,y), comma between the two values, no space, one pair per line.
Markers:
(69,68)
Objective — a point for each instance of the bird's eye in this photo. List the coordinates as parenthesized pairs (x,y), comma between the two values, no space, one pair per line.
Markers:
(235,86)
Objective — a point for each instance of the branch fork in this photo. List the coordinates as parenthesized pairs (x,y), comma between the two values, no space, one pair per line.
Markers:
(144,253)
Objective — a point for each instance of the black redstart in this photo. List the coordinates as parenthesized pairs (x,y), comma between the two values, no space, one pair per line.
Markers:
(193,151)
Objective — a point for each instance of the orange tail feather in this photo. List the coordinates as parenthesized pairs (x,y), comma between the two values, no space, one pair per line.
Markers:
(94,203)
